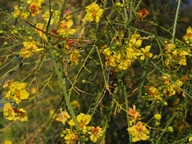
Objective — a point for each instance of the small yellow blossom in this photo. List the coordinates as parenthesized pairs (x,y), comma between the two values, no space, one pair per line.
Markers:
(190,139)
(17,92)
(12,113)
(63,116)
(65,28)
(7,83)
(139,132)
(18,12)
(71,137)
(165,77)
(30,47)
(93,12)
(83,120)
(145,53)
(169,91)
(37,2)
(8,112)
(95,133)
(154,93)
(74,57)
(188,36)
(134,115)
(75,104)
(55,16)
(172,89)
(34,9)
(41,34)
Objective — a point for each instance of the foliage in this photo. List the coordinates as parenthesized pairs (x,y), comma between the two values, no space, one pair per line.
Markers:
(94,72)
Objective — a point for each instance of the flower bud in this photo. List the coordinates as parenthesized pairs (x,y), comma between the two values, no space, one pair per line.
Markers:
(170,129)
(157,124)
(165,103)
(118,4)
(157,116)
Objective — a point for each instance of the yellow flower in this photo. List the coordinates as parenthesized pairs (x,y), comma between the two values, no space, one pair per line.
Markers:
(135,43)
(169,47)
(8,112)
(30,47)
(190,139)
(139,132)
(179,83)
(95,133)
(7,141)
(83,120)
(154,93)
(55,16)
(7,83)
(17,92)
(12,113)
(74,57)
(145,53)
(169,90)
(188,36)
(75,104)
(41,34)
(34,9)
(63,116)
(37,2)
(134,115)
(18,12)
(65,28)
(93,12)
(71,137)
(165,77)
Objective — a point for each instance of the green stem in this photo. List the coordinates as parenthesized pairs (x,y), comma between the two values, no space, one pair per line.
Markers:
(175,22)
(63,87)
(127,115)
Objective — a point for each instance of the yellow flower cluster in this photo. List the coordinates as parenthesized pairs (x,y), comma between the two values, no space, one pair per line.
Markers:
(172,89)
(169,88)
(74,57)
(17,92)
(138,131)
(93,12)
(176,55)
(30,47)
(12,113)
(18,12)
(122,59)
(71,135)
(34,6)
(154,93)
